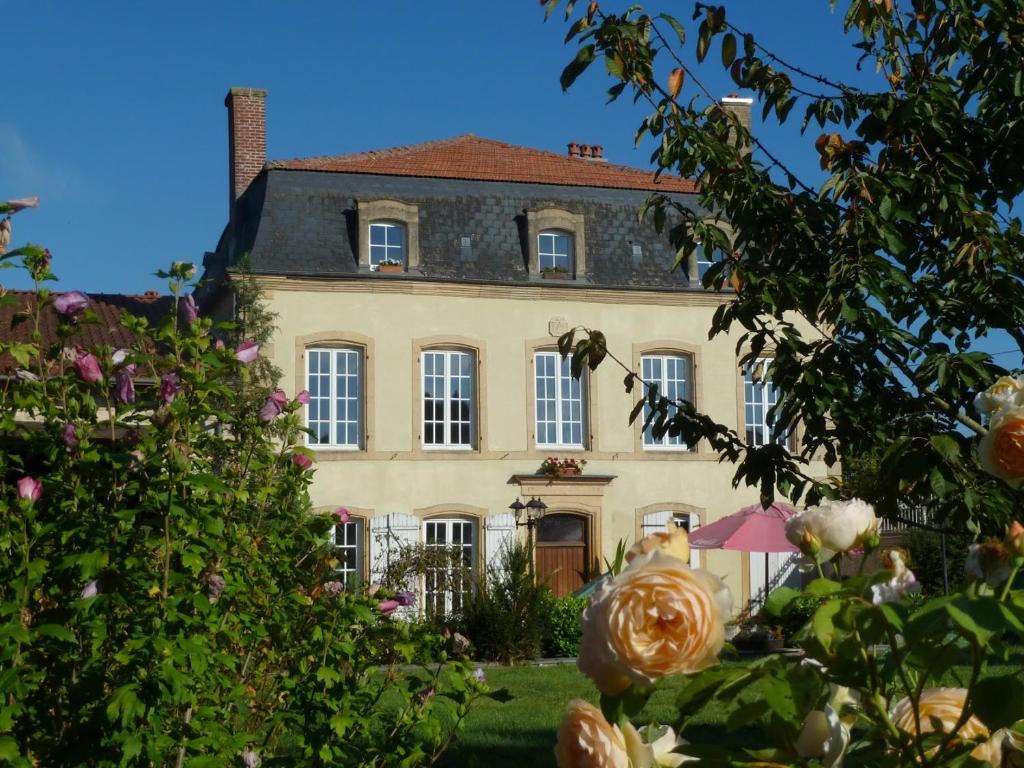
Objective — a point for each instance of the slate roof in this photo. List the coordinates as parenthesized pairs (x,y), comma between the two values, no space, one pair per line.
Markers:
(107,331)
(475,158)
(300,217)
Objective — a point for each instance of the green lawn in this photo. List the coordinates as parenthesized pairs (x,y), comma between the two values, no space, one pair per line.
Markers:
(521,732)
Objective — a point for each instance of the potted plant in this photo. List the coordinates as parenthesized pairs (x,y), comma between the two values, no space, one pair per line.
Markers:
(567,467)
(555,273)
(390,265)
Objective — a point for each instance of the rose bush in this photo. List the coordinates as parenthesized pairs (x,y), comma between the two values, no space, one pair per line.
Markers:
(168,597)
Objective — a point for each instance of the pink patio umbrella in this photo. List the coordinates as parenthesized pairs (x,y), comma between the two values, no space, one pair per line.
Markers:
(751,529)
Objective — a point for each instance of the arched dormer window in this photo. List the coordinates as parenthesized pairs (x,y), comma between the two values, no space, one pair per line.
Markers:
(557,243)
(389,233)
(387,244)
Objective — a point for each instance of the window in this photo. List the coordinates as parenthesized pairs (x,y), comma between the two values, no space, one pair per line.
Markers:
(335,411)
(387,243)
(559,401)
(556,239)
(705,258)
(348,550)
(671,375)
(446,587)
(554,251)
(448,400)
(759,397)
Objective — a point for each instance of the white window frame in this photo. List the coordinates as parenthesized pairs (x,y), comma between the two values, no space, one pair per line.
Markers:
(332,397)
(759,397)
(666,442)
(450,601)
(562,379)
(447,422)
(354,540)
(551,254)
(402,249)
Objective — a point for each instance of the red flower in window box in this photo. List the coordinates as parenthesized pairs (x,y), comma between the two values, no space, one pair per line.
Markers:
(390,265)
(567,467)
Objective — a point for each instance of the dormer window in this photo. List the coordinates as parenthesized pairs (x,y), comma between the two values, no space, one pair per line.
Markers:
(555,251)
(389,233)
(557,243)
(387,244)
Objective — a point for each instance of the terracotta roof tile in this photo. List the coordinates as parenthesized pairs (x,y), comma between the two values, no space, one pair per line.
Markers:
(107,331)
(478,159)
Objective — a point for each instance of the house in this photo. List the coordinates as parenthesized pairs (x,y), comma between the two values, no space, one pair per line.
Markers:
(420,292)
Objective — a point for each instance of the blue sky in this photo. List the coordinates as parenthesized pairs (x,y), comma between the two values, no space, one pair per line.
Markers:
(115,115)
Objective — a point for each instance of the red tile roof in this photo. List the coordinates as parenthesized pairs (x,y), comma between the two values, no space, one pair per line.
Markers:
(108,329)
(479,159)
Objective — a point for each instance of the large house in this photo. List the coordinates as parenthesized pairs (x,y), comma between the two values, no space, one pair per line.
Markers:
(420,292)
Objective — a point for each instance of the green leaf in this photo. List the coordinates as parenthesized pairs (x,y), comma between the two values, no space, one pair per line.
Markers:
(584,58)
(55,630)
(676,27)
(946,446)
(999,701)
(822,587)
(823,622)
(778,599)
(9,749)
(728,50)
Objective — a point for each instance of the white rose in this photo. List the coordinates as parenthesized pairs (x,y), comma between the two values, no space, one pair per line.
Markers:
(832,527)
(646,750)
(902,582)
(1006,392)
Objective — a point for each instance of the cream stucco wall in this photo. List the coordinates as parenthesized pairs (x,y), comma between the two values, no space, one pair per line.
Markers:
(394,316)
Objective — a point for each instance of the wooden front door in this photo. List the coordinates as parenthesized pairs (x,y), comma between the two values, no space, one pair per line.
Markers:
(562,554)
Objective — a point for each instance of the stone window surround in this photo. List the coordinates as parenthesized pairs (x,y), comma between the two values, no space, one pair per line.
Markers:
(476,515)
(549,344)
(363,515)
(461,344)
(339,339)
(692,269)
(543,219)
(669,347)
(670,506)
(370,211)
(768,353)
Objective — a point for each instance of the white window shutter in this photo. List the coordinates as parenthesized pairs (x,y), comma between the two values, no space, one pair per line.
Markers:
(378,548)
(405,532)
(654,522)
(694,552)
(499,531)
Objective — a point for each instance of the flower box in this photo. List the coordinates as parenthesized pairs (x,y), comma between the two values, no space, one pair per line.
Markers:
(556,467)
(391,268)
(556,275)
(569,471)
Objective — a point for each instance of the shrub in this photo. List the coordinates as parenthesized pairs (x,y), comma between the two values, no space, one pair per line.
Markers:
(925,548)
(506,617)
(169,599)
(563,636)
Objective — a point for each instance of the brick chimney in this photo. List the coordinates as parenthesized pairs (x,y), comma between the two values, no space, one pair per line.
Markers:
(740,107)
(247,138)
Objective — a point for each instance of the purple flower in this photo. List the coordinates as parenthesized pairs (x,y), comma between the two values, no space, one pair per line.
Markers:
(302,461)
(169,386)
(303,397)
(218,344)
(333,587)
(479,676)
(387,607)
(273,406)
(342,514)
(88,367)
(189,309)
(124,384)
(30,489)
(13,206)
(90,590)
(69,437)
(71,303)
(405,598)
(247,352)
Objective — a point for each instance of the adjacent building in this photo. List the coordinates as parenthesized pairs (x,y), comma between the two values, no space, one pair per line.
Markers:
(419,294)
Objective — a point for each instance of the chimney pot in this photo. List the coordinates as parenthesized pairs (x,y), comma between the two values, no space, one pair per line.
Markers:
(574,149)
(247,138)
(585,150)
(598,151)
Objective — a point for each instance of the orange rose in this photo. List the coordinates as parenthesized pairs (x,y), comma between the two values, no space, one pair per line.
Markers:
(1001,451)
(675,542)
(946,705)
(658,617)
(586,740)
(1015,539)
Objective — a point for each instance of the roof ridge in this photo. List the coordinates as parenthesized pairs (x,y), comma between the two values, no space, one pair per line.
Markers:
(373,154)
